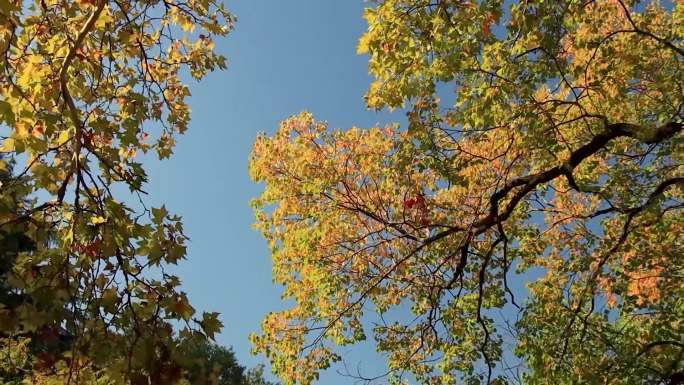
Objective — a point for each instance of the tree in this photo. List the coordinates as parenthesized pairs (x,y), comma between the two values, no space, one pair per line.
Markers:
(213,361)
(557,161)
(210,361)
(85,86)
(255,376)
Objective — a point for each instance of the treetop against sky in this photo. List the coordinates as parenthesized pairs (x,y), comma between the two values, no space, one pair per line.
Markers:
(521,223)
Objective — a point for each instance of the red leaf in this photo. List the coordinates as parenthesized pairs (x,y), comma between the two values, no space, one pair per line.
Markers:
(409,203)
(486,24)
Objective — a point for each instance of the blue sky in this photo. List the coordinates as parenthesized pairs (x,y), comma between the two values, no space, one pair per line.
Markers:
(283,57)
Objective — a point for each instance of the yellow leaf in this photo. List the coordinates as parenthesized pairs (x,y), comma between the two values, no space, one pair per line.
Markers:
(186,24)
(21,128)
(363,44)
(7,145)
(105,17)
(63,137)
(97,220)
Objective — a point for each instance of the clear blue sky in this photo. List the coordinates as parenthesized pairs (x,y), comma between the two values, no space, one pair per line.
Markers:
(283,57)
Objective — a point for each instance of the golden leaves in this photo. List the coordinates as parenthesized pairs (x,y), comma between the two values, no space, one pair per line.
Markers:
(644,286)
(503,175)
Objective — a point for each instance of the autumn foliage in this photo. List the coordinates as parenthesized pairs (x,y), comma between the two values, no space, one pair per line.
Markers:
(556,161)
(524,225)
(85,88)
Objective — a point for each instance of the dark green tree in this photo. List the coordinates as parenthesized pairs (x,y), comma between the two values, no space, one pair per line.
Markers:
(214,364)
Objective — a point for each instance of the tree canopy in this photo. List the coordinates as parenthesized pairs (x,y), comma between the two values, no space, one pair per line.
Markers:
(217,365)
(544,146)
(86,87)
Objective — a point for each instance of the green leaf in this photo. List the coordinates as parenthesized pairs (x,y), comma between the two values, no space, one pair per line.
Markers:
(211,324)
(6,113)
(159,214)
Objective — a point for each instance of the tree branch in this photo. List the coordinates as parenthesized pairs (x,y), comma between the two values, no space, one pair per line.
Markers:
(68,100)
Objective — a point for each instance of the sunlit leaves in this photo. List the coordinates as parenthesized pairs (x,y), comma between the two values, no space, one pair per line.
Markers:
(86,88)
(544,138)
